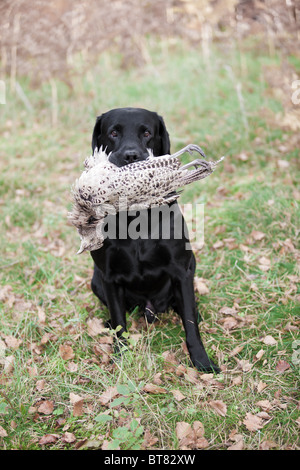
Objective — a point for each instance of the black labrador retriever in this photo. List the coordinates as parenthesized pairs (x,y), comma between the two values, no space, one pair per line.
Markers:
(153,273)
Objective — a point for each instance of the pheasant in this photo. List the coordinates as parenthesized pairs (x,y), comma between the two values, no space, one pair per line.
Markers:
(103,188)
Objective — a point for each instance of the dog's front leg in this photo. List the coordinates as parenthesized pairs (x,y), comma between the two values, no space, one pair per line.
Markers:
(115,300)
(186,308)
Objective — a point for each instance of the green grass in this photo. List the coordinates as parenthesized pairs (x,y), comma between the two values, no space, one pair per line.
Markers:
(45,296)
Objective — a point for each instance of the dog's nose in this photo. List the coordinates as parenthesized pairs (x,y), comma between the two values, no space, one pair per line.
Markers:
(131,156)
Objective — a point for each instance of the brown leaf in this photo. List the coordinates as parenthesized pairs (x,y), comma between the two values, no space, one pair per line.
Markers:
(77,403)
(265,405)
(267,445)
(72,366)
(238,441)
(46,407)
(257,236)
(227,310)
(152,388)
(178,395)
(191,437)
(252,422)
(41,315)
(236,351)
(219,406)
(260,354)
(95,326)
(12,342)
(3,433)
(40,385)
(269,340)
(244,364)
(282,366)
(261,386)
(48,439)
(183,429)
(218,244)
(108,395)
(66,352)
(149,440)
(229,323)
(237,446)
(200,286)
(68,437)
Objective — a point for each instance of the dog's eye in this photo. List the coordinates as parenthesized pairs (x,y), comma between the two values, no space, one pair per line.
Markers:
(114,133)
(147,134)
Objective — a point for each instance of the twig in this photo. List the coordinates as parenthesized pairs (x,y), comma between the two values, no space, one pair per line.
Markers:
(9,402)
(238,89)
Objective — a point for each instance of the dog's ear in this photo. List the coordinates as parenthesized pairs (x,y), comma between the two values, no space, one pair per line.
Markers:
(97,133)
(164,136)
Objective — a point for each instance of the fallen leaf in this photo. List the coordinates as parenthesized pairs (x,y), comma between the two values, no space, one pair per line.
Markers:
(183,429)
(227,310)
(95,326)
(260,354)
(8,363)
(283,164)
(72,367)
(265,405)
(229,323)
(236,351)
(3,433)
(48,439)
(108,395)
(149,440)
(200,286)
(261,386)
(218,244)
(219,406)
(77,403)
(12,342)
(267,445)
(46,407)
(41,315)
(40,385)
(152,388)
(68,438)
(257,235)
(244,364)
(191,437)
(170,357)
(263,415)
(253,422)
(282,366)
(178,395)
(264,263)
(237,380)
(238,441)
(269,340)
(66,352)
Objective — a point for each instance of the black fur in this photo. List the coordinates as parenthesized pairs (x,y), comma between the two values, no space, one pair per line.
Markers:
(154,274)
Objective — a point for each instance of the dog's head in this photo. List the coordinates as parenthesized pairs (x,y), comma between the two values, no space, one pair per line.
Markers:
(128,133)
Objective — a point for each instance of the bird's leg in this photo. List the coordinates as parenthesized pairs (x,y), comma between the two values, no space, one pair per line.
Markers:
(190,148)
(196,164)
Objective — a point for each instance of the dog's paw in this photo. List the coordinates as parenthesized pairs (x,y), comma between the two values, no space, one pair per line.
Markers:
(207,366)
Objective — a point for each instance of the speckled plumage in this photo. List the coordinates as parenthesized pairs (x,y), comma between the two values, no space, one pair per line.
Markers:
(104,188)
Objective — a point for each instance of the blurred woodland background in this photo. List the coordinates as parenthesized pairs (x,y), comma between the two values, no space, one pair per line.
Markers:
(40,38)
